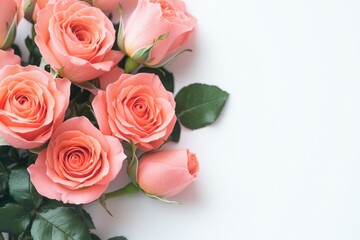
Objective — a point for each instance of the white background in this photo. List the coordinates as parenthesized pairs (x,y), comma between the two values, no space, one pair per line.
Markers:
(283,161)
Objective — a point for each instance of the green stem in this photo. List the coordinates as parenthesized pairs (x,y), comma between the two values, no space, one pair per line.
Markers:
(130,65)
(130,188)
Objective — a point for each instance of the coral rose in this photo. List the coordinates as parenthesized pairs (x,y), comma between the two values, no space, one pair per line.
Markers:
(8,58)
(32,105)
(8,20)
(166,173)
(113,5)
(152,19)
(78,164)
(77,37)
(136,107)
(110,77)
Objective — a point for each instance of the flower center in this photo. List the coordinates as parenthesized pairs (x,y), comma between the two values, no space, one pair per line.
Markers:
(22,100)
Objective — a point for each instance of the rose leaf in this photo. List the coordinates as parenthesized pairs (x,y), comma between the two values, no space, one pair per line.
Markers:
(22,190)
(4,178)
(59,223)
(199,105)
(14,218)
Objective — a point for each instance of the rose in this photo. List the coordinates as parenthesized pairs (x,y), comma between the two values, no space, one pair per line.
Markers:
(38,5)
(166,173)
(8,58)
(32,105)
(78,164)
(110,77)
(111,6)
(163,25)
(106,6)
(77,37)
(8,20)
(136,107)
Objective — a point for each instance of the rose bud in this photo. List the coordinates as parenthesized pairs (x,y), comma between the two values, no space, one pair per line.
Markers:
(155,31)
(8,20)
(166,173)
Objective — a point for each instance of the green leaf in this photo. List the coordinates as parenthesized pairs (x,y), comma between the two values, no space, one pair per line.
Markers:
(60,223)
(199,105)
(175,134)
(133,165)
(17,50)
(34,53)
(1,237)
(118,238)
(14,218)
(4,178)
(86,216)
(22,190)
(3,201)
(166,77)
(52,204)
(94,236)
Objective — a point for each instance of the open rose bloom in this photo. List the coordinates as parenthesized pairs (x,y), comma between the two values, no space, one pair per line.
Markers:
(78,164)
(77,38)
(136,107)
(32,105)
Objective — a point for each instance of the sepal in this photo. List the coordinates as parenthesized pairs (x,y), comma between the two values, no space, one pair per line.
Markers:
(29,7)
(11,34)
(120,35)
(142,55)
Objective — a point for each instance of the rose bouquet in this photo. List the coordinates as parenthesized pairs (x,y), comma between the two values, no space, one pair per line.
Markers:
(93,96)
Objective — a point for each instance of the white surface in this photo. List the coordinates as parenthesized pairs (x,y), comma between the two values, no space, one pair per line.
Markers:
(283,161)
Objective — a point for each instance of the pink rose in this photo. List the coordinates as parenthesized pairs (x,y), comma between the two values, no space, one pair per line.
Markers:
(166,173)
(77,37)
(152,19)
(78,164)
(32,105)
(110,77)
(39,4)
(8,20)
(136,107)
(113,5)
(8,58)
(42,3)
